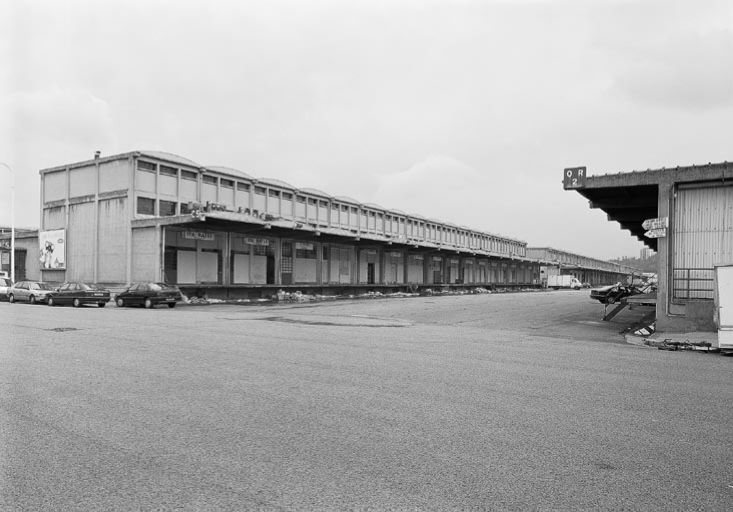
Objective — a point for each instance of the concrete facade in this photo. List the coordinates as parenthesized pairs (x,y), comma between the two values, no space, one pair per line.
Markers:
(219,231)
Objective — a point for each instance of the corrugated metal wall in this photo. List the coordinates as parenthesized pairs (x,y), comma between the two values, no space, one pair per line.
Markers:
(702,234)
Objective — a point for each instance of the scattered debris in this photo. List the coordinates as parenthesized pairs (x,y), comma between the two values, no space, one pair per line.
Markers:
(298,296)
(668,344)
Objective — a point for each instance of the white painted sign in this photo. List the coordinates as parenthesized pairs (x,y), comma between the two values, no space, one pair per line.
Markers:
(653,224)
(256,241)
(656,233)
(304,245)
(198,235)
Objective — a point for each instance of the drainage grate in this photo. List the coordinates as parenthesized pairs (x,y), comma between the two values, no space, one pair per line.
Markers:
(63,329)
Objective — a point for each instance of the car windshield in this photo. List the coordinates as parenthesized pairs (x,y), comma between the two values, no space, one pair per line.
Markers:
(156,287)
(85,286)
(43,286)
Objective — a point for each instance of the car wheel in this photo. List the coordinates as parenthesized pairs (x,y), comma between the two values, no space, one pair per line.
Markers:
(102,304)
(120,303)
(32,299)
(11,298)
(171,305)
(148,303)
(51,302)
(76,303)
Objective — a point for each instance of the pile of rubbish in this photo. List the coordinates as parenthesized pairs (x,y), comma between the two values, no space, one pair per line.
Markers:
(668,344)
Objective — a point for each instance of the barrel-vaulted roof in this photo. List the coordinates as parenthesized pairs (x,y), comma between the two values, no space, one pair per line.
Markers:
(315,192)
(170,157)
(231,171)
(346,199)
(276,183)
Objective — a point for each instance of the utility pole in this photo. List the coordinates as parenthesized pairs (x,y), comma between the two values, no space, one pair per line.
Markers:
(12,221)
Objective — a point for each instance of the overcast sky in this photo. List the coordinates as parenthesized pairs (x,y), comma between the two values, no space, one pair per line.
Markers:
(464,111)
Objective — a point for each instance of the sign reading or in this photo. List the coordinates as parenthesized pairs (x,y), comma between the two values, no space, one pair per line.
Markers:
(573,177)
(656,233)
(659,223)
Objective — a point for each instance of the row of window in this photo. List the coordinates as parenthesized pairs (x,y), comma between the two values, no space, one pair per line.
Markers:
(315,211)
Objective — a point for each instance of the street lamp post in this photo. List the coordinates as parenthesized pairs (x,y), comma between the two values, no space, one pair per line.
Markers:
(12,221)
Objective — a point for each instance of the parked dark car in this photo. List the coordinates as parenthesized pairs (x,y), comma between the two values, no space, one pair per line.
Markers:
(149,294)
(78,293)
(29,291)
(615,292)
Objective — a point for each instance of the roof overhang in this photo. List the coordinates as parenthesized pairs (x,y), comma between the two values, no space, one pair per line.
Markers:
(632,197)
(629,205)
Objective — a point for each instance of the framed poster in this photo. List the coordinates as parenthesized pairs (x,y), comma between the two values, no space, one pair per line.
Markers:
(52,245)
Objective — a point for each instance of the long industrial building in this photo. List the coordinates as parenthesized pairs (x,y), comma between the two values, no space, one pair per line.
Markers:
(219,232)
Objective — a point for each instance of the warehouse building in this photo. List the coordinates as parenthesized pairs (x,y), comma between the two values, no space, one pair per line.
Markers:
(220,232)
(685,214)
(587,270)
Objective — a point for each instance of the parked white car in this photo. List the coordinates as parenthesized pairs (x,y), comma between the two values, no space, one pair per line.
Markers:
(5,284)
(30,291)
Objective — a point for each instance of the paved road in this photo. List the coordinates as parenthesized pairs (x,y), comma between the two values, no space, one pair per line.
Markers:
(510,401)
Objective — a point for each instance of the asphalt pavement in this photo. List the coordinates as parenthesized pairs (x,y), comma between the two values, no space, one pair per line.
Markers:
(503,401)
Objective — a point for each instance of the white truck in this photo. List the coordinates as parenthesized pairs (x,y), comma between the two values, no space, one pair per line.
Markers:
(556,282)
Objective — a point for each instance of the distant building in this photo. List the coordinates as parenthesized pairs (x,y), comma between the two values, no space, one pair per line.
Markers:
(645,253)
(585,269)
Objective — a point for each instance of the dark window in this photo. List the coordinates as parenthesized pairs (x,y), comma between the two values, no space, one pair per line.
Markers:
(227,183)
(325,252)
(146,206)
(312,201)
(166,208)
(185,208)
(146,166)
(323,203)
(306,253)
(274,193)
(262,250)
(260,190)
(168,171)
(188,175)
(243,186)
(210,179)
(300,199)
(287,196)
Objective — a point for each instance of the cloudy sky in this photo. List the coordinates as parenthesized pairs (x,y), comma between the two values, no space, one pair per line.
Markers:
(465,111)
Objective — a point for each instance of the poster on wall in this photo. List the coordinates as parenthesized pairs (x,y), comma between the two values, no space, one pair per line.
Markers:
(53,249)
